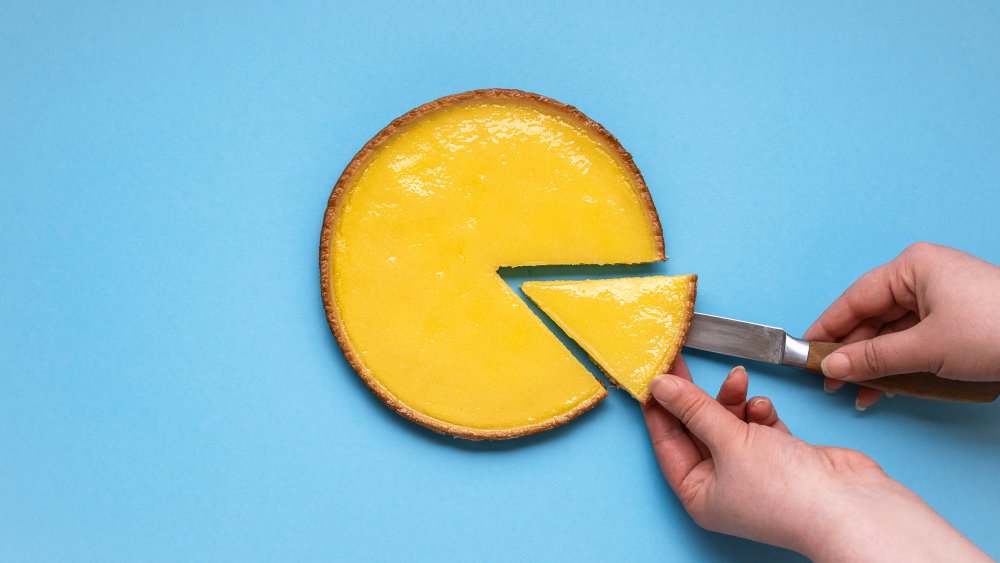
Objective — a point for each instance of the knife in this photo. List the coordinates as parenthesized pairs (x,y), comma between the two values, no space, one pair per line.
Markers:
(774,346)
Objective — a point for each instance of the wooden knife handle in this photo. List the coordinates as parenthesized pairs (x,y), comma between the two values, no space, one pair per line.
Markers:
(924,385)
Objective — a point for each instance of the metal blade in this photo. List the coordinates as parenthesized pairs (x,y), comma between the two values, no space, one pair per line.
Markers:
(736,338)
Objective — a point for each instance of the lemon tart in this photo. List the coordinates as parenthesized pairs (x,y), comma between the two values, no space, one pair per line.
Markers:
(632,327)
(419,223)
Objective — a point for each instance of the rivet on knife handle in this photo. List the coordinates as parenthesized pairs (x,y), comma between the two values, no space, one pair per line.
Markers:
(925,385)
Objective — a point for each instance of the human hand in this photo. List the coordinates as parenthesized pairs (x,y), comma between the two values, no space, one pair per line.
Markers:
(737,470)
(932,309)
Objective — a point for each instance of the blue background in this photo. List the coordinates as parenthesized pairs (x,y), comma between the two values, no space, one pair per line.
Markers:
(170,389)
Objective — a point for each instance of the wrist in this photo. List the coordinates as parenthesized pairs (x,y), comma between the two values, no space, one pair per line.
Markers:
(885,521)
(845,514)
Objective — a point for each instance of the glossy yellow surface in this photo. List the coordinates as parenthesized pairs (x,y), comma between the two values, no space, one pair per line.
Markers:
(632,327)
(436,210)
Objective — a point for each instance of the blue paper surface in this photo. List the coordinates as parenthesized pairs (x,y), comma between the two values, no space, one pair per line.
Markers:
(169,388)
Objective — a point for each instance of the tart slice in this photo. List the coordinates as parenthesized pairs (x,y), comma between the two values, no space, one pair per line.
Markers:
(418,225)
(633,328)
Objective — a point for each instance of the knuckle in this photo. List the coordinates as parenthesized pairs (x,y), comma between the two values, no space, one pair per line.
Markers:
(920,249)
(851,460)
(687,493)
(691,408)
(665,441)
(693,497)
(703,520)
(873,356)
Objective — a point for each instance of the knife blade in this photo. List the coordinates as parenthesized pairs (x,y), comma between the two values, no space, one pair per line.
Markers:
(775,346)
(752,341)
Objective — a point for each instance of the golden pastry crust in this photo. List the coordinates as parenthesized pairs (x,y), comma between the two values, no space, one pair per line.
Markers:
(668,362)
(329,228)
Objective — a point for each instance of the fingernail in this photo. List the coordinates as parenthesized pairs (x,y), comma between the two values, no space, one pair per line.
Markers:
(859,406)
(757,403)
(889,394)
(831,386)
(836,365)
(663,385)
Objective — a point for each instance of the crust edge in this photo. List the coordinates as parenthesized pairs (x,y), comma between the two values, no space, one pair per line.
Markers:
(668,362)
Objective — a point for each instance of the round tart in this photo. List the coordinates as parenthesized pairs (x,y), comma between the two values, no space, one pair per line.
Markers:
(418,225)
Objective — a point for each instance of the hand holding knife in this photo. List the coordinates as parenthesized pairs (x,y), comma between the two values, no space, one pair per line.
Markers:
(774,346)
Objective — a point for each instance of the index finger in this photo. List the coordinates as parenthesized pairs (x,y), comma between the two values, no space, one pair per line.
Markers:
(702,415)
(680,369)
(881,294)
(675,452)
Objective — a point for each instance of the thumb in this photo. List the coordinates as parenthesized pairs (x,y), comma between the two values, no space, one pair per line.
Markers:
(887,354)
(705,417)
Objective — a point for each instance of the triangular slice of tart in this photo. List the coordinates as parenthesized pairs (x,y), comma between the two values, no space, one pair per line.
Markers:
(633,328)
